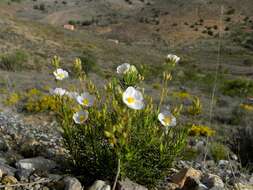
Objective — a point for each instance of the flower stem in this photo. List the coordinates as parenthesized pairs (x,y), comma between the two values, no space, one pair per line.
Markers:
(117,175)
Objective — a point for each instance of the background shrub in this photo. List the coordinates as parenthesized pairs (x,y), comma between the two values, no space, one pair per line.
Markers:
(219,151)
(238,87)
(243,145)
(13,61)
(89,62)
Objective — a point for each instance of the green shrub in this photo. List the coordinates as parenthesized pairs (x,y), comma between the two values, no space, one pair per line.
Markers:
(190,154)
(248,62)
(72,22)
(13,61)
(230,11)
(241,143)
(89,62)
(238,87)
(16,1)
(219,151)
(110,133)
(42,7)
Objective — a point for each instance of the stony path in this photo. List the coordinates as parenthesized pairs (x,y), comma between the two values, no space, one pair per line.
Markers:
(18,134)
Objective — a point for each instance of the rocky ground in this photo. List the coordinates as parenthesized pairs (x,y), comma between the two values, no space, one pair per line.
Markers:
(134,31)
(32,157)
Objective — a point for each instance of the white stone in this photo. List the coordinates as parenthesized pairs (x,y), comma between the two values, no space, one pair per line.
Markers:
(100,185)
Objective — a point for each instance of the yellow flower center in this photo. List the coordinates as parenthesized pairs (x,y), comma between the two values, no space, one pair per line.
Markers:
(60,75)
(130,100)
(85,102)
(167,120)
(82,118)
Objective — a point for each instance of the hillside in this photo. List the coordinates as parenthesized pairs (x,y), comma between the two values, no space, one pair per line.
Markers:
(213,38)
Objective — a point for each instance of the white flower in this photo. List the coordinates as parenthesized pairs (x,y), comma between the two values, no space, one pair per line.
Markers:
(72,95)
(167,119)
(80,117)
(86,99)
(61,74)
(58,91)
(132,69)
(124,68)
(133,98)
(173,58)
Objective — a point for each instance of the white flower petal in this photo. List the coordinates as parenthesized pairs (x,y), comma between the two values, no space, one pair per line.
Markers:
(173,58)
(138,95)
(58,91)
(123,69)
(80,117)
(133,98)
(167,119)
(138,105)
(60,74)
(72,95)
(86,99)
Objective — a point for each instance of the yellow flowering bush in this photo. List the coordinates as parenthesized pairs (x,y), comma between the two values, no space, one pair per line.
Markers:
(41,104)
(247,107)
(118,130)
(12,99)
(181,95)
(201,130)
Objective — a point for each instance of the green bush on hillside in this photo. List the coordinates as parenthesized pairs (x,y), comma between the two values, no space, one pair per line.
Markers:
(13,61)
(219,151)
(89,62)
(238,87)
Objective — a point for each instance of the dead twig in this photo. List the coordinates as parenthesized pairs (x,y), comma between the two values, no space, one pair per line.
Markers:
(27,184)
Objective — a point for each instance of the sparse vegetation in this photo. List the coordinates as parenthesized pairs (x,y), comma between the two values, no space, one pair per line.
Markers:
(242,144)
(238,87)
(13,61)
(112,131)
(89,62)
(219,151)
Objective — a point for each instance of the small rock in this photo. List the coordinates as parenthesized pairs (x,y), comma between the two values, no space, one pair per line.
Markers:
(240,186)
(54,177)
(3,160)
(100,185)
(129,185)
(37,163)
(223,163)
(3,145)
(201,146)
(22,175)
(202,187)
(8,180)
(234,157)
(251,179)
(171,186)
(72,183)
(193,184)
(1,173)
(209,164)
(31,148)
(7,170)
(37,187)
(190,184)
(213,181)
(12,157)
(181,177)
